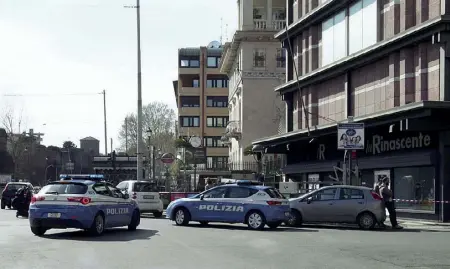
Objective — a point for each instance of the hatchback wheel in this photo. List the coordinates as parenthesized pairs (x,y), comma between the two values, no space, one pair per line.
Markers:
(366,221)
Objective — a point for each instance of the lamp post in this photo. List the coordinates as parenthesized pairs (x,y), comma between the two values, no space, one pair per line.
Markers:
(151,153)
(139,93)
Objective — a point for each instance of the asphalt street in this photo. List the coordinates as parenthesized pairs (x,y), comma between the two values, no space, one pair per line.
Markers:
(158,243)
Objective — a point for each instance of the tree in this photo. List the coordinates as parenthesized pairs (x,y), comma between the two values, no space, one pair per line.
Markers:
(17,142)
(69,145)
(157,117)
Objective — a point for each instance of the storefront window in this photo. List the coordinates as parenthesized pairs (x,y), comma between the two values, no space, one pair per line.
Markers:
(414,187)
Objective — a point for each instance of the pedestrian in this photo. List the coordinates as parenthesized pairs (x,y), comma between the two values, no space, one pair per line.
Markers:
(376,189)
(386,194)
(209,184)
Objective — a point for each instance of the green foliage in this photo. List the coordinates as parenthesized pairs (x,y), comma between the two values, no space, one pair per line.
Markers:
(248,150)
(181,143)
(69,145)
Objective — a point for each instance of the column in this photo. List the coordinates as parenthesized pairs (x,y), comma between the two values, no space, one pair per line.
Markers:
(269,14)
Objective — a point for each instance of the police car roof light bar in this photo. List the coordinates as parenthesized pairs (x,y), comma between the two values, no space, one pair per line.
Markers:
(86,177)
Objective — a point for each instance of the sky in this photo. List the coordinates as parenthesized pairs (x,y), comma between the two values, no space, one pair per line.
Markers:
(57,56)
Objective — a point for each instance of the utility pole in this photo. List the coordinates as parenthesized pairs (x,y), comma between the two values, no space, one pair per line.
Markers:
(140,152)
(111,143)
(104,115)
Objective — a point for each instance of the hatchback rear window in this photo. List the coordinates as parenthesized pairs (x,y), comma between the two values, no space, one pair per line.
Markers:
(145,187)
(274,193)
(15,187)
(64,188)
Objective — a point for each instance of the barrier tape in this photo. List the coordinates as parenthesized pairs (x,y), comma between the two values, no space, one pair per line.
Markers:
(422,201)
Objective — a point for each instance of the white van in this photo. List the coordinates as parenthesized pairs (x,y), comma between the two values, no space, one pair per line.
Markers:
(145,194)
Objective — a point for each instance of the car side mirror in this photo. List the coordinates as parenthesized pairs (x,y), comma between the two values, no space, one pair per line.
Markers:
(202,196)
(126,196)
(309,200)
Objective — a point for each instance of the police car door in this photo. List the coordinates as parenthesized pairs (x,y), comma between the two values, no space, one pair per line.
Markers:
(105,202)
(236,203)
(210,208)
(123,210)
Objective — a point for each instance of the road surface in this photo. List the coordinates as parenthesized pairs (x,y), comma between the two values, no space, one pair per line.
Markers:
(160,244)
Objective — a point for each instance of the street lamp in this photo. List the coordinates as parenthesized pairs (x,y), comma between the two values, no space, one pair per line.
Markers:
(139,93)
(151,161)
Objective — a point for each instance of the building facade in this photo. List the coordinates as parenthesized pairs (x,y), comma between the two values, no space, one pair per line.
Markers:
(201,92)
(381,62)
(90,145)
(255,63)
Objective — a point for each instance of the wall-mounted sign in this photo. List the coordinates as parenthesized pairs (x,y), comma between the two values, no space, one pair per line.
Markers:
(378,144)
(350,136)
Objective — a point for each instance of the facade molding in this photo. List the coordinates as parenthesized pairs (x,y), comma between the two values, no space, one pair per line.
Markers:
(264,74)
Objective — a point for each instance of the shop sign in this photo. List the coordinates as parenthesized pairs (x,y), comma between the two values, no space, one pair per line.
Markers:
(380,145)
(350,136)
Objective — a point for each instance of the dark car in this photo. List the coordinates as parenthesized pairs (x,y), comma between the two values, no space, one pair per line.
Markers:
(10,191)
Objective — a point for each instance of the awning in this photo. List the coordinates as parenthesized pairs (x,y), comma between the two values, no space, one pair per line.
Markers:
(413,110)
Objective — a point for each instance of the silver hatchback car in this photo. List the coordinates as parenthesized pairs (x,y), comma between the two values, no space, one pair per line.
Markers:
(338,204)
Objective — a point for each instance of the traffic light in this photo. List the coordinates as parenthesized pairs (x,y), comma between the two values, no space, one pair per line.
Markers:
(112,159)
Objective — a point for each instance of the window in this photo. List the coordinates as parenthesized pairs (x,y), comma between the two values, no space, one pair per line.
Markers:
(217,83)
(348,194)
(187,62)
(324,195)
(416,186)
(190,121)
(240,192)
(281,58)
(101,189)
(217,162)
(196,83)
(259,58)
(362,25)
(213,142)
(216,121)
(190,101)
(217,101)
(274,193)
(333,38)
(213,61)
(71,188)
(145,187)
(215,193)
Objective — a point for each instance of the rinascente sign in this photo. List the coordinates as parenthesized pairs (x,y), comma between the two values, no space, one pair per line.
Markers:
(378,144)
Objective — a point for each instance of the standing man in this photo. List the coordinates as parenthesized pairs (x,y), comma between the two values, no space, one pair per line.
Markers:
(377,190)
(386,194)
(209,184)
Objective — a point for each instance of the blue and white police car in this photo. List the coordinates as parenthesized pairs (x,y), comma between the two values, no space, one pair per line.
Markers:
(245,202)
(84,202)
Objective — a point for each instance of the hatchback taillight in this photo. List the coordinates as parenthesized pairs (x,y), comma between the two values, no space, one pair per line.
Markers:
(36,198)
(376,196)
(82,200)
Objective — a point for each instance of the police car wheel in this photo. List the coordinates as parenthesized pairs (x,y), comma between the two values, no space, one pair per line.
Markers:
(256,220)
(135,220)
(3,205)
(38,230)
(366,221)
(182,217)
(98,225)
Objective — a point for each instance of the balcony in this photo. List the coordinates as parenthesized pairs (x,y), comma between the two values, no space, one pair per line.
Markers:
(233,130)
(268,168)
(189,91)
(263,25)
(189,111)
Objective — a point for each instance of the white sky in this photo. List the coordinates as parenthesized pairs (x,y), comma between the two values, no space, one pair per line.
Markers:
(54,51)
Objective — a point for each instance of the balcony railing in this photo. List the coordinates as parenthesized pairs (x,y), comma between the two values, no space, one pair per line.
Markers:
(263,25)
(269,167)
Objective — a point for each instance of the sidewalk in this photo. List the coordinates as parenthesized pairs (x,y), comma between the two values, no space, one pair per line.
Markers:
(424,224)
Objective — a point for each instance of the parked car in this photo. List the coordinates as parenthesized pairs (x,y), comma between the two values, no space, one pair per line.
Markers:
(146,195)
(338,204)
(9,192)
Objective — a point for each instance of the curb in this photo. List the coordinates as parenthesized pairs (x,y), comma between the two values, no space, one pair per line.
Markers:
(413,222)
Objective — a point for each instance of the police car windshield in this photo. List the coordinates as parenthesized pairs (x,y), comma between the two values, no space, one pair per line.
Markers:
(64,188)
(144,187)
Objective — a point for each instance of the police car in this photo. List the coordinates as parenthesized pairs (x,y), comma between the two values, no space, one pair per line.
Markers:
(245,202)
(82,201)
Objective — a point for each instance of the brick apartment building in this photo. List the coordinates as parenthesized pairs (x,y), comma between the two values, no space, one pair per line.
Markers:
(385,63)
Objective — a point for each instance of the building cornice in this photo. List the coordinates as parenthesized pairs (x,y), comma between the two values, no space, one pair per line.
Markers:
(370,54)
